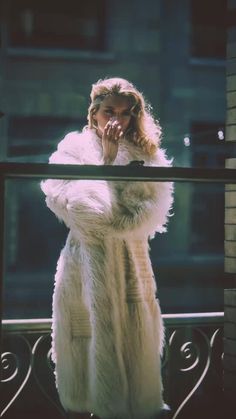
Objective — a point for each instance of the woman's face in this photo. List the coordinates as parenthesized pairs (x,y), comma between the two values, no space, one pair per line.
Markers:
(115,108)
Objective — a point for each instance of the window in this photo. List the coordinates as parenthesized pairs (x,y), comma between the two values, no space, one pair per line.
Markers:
(208,150)
(38,135)
(208,38)
(71,24)
(208,144)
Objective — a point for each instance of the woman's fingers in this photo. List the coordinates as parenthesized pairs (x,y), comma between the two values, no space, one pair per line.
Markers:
(110,139)
(121,134)
(107,131)
(113,129)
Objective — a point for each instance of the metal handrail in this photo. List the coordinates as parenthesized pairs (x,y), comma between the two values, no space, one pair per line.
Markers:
(129,172)
(173,319)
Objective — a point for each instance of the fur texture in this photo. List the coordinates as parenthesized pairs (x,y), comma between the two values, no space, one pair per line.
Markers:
(107,326)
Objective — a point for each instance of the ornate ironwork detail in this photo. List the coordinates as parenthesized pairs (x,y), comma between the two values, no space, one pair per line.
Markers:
(6,359)
(6,367)
(188,355)
(192,356)
(14,376)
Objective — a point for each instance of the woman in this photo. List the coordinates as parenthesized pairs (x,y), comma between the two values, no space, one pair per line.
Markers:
(107,329)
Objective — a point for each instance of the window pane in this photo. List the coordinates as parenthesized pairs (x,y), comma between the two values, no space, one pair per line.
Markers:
(34,138)
(52,24)
(208,146)
(208,28)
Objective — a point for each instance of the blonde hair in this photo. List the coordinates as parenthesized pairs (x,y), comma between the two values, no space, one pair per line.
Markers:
(144,130)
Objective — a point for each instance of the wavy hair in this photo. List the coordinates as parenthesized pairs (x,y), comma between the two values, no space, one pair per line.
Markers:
(144,130)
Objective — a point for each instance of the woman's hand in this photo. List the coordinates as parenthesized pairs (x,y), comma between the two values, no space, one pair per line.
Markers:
(110,140)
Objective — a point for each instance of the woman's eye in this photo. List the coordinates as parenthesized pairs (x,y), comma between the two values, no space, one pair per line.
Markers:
(108,112)
(126,113)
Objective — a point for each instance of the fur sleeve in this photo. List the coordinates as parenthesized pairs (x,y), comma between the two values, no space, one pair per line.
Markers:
(144,207)
(102,207)
(83,205)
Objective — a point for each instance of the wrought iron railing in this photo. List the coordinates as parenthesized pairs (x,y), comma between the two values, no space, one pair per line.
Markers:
(192,360)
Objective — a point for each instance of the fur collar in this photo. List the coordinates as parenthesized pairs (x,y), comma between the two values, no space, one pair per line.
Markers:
(86,148)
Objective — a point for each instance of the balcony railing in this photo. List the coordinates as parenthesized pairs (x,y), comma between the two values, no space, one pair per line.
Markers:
(192,360)
(192,363)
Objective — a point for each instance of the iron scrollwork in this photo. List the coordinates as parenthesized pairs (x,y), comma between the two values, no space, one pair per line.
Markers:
(18,369)
(188,356)
(190,353)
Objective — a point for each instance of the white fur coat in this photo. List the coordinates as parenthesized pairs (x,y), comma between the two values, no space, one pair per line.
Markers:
(107,326)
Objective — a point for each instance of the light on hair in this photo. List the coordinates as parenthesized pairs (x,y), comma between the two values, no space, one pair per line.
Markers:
(144,130)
